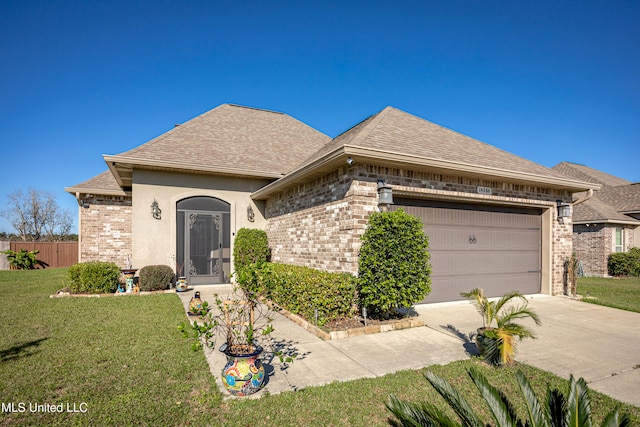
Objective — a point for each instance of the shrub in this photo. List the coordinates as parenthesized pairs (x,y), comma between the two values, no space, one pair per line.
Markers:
(394,264)
(155,277)
(302,290)
(558,409)
(23,260)
(250,246)
(94,277)
(624,263)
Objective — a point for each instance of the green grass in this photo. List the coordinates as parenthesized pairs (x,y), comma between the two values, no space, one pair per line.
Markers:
(125,358)
(617,293)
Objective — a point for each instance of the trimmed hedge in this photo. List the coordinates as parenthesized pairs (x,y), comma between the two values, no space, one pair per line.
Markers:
(302,290)
(94,277)
(394,269)
(250,246)
(155,277)
(624,263)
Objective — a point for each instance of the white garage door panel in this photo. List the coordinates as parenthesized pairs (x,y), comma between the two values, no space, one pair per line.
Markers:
(497,249)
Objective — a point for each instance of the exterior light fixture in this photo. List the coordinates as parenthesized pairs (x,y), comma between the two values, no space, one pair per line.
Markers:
(156,212)
(250,215)
(385,194)
(564,209)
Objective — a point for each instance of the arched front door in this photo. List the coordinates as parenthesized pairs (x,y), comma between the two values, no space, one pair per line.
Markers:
(203,240)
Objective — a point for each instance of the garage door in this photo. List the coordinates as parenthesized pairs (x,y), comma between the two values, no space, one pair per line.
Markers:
(474,246)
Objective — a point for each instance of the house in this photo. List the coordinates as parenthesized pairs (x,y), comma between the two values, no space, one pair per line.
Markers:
(606,222)
(491,217)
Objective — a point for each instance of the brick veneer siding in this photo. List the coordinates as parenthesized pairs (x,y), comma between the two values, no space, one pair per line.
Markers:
(592,247)
(105,229)
(319,223)
(593,244)
(562,248)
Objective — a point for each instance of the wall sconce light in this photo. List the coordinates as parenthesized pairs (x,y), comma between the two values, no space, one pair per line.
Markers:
(250,215)
(564,209)
(385,194)
(156,212)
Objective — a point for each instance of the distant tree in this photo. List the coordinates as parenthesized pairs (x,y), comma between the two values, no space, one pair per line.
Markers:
(35,215)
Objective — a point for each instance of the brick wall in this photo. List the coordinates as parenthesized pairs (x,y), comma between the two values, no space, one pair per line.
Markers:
(105,229)
(594,243)
(319,223)
(562,248)
(592,247)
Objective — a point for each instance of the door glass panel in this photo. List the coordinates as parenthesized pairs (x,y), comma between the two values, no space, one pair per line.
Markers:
(204,230)
(203,240)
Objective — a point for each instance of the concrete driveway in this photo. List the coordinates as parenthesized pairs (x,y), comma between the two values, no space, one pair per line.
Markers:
(600,344)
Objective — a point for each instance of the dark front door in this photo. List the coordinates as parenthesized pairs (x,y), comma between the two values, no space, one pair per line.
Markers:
(203,241)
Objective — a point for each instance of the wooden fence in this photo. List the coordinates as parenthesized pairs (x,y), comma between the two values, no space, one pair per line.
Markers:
(53,254)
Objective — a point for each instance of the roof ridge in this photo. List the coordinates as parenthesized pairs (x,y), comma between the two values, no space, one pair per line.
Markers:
(253,108)
(371,126)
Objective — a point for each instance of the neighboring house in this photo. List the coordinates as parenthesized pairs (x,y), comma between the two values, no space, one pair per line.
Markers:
(491,216)
(606,222)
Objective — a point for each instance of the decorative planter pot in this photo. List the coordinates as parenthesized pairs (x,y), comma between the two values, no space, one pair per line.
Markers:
(129,273)
(181,284)
(244,373)
(488,347)
(195,305)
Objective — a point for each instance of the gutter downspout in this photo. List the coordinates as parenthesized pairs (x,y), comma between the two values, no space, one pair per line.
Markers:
(79,226)
(585,198)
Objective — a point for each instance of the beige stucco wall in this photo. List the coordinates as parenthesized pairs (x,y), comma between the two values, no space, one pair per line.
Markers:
(154,241)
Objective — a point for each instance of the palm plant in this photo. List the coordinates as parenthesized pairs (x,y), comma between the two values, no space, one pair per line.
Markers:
(557,410)
(496,340)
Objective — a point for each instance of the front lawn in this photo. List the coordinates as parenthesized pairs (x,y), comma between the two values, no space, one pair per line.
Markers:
(124,358)
(611,292)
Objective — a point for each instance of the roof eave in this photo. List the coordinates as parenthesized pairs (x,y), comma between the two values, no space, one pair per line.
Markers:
(88,190)
(401,160)
(607,221)
(120,164)
(473,170)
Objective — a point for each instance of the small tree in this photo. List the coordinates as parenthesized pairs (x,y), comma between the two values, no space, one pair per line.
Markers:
(35,214)
(394,269)
(573,270)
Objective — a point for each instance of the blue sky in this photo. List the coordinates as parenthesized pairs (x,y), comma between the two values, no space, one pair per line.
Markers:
(550,81)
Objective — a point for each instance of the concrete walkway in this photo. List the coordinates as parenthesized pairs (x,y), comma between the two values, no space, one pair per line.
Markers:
(598,343)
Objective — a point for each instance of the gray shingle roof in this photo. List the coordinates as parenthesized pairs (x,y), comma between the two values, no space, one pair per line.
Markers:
(595,210)
(588,174)
(624,198)
(616,196)
(395,131)
(103,183)
(395,138)
(231,138)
